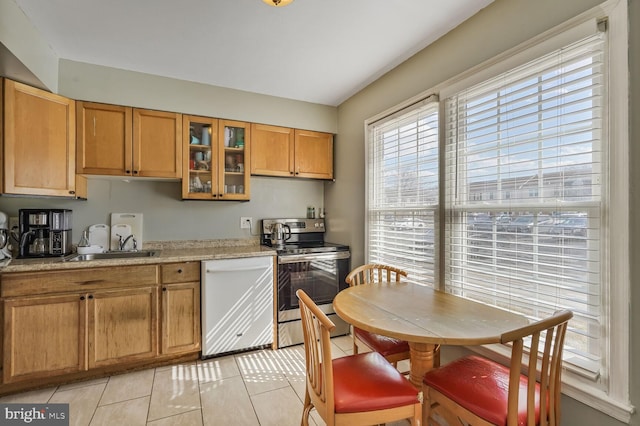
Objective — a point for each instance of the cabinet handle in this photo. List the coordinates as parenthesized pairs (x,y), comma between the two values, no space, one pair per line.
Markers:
(164,289)
(127,172)
(135,172)
(180,270)
(91,296)
(72,192)
(81,297)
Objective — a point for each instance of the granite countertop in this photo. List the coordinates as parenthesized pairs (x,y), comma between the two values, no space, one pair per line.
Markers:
(168,252)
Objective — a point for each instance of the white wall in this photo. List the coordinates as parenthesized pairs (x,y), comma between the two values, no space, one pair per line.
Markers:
(500,26)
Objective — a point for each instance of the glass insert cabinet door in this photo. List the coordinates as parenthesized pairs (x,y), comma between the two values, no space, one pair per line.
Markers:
(215,156)
(234,153)
(201,158)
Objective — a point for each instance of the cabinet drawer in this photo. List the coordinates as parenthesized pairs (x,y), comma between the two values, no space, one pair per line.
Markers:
(180,272)
(77,280)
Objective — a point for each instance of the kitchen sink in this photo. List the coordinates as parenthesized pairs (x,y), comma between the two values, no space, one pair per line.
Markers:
(111,255)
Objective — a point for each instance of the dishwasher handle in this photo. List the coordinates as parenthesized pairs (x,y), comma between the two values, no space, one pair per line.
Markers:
(241,269)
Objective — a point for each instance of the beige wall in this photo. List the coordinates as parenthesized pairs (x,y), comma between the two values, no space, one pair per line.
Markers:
(500,26)
(83,81)
(36,63)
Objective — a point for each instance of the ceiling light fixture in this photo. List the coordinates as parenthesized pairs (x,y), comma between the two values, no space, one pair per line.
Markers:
(278,3)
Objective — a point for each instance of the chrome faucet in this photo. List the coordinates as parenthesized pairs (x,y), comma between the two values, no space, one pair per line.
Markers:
(124,242)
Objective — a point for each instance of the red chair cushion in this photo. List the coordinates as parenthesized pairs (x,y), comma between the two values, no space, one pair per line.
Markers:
(481,386)
(368,382)
(382,344)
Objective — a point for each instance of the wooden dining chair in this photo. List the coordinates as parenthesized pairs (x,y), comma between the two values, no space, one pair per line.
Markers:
(392,349)
(480,391)
(363,389)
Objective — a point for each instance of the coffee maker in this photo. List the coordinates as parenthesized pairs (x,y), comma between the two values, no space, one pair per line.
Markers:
(44,232)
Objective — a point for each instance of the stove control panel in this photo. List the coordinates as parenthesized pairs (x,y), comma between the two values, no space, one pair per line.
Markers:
(297,226)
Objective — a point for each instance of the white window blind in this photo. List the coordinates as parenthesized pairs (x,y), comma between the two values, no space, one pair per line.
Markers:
(402,182)
(525,193)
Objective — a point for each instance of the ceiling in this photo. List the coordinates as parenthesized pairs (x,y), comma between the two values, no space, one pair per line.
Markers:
(320,51)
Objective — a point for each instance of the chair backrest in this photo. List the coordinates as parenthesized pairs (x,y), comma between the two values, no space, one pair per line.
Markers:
(374,273)
(546,339)
(317,327)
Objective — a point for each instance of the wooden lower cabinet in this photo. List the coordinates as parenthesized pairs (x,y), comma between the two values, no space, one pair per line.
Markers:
(44,336)
(122,326)
(180,303)
(78,322)
(180,317)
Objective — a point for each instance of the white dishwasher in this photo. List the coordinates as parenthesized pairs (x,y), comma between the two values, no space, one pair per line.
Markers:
(237,304)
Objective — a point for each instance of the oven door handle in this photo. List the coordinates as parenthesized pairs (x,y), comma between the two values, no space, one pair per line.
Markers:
(295,258)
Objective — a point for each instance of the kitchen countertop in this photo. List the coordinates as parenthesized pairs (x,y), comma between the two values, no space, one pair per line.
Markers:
(168,252)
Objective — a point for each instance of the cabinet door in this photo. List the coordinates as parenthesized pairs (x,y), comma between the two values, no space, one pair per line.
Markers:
(313,154)
(157,147)
(39,142)
(272,150)
(200,158)
(104,139)
(180,317)
(44,337)
(123,326)
(235,160)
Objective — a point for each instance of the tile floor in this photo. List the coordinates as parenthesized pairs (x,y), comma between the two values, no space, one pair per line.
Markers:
(263,388)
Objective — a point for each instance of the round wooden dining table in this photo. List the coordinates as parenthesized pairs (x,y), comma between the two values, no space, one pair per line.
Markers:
(424,317)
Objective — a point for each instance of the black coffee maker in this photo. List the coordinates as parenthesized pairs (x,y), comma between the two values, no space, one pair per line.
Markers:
(44,232)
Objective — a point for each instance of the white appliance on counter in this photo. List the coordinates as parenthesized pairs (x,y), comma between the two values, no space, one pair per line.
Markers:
(237,304)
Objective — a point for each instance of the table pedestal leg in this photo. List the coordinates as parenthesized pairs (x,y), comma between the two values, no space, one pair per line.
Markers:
(424,356)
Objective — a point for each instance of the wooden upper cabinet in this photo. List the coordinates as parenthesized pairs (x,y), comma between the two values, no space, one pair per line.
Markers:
(272,151)
(282,151)
(104,139)
(313,154)
(157,143)
(39,142)
(123,141)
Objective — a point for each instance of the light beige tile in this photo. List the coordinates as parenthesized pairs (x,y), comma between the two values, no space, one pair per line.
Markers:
(263,371)
(280,407)
(169,367)
(76,385)
(82,402)
(131,413)
(298,383)
(191,418)
(174,391)
(217,368)
(227,402)
(345,343)
(40,396)
(128,386)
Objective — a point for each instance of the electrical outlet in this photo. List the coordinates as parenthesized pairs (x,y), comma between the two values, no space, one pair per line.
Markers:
(246,222)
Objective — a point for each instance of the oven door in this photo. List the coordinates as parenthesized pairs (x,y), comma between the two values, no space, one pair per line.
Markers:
(320,275)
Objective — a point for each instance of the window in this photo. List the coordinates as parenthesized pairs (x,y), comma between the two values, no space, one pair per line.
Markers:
(533,198)
(536,132)
(403,190)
